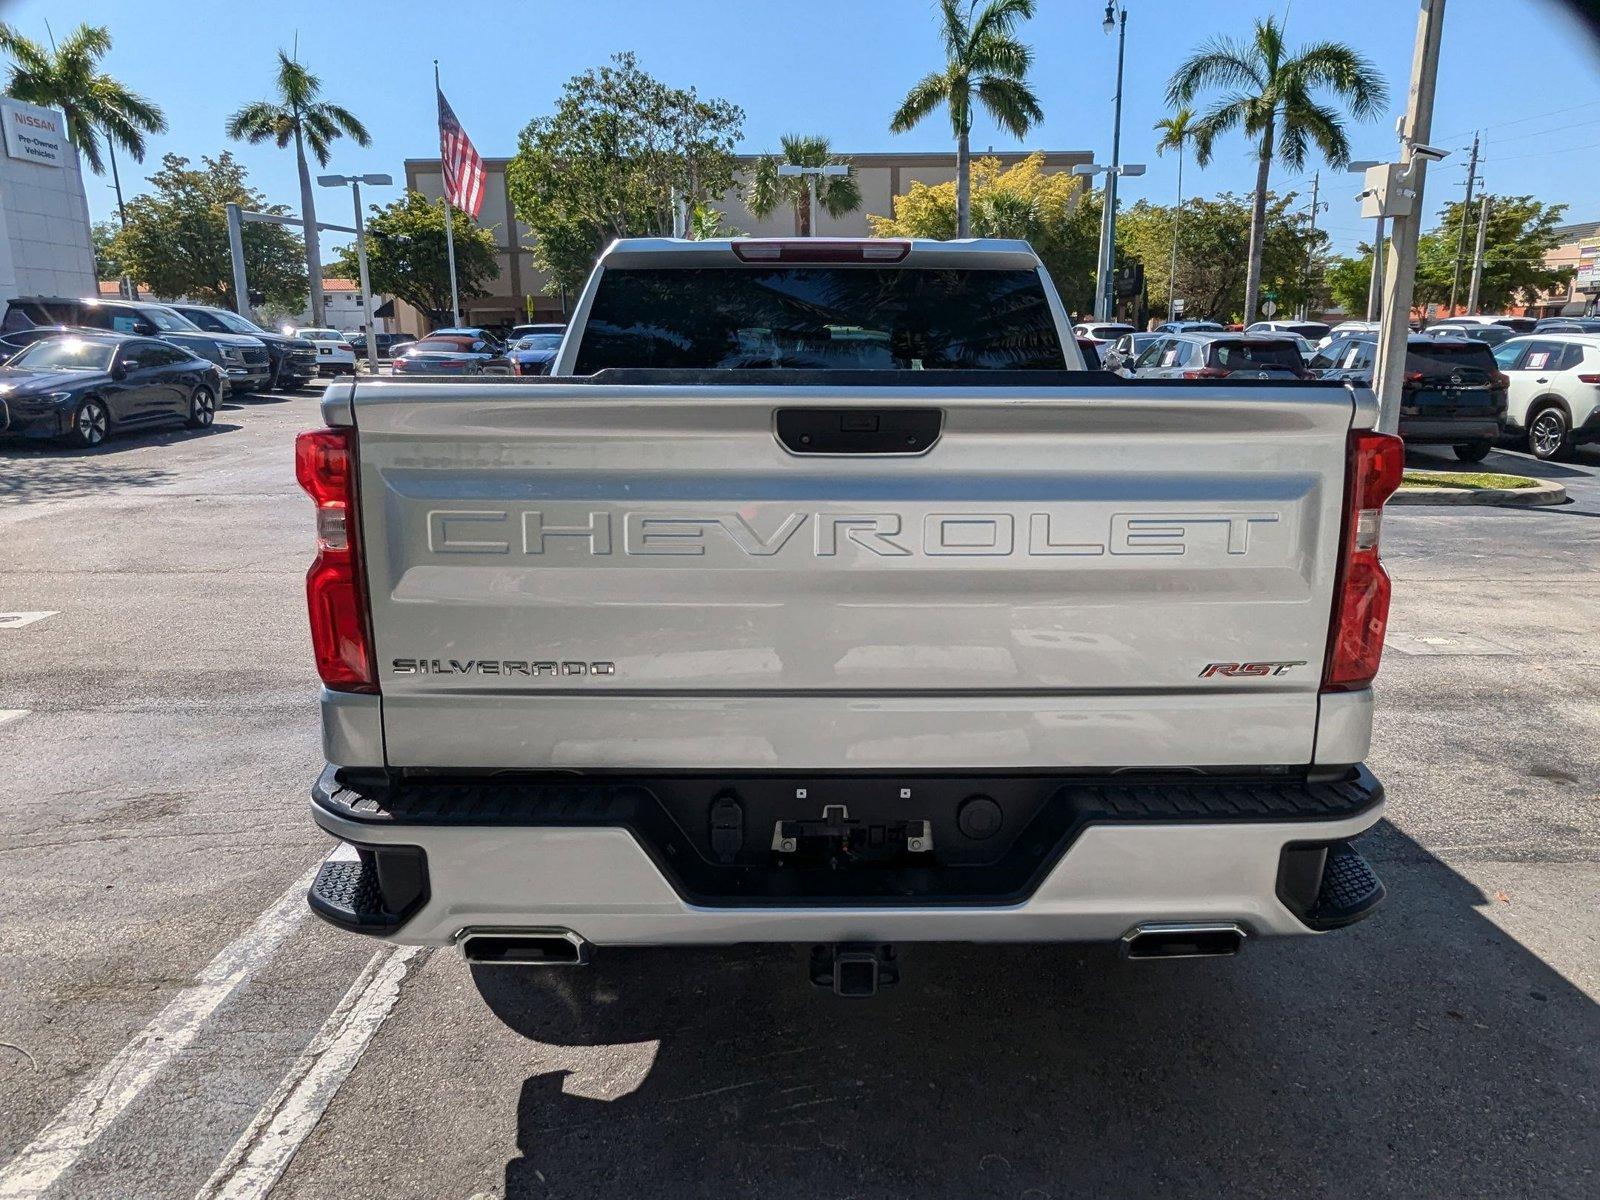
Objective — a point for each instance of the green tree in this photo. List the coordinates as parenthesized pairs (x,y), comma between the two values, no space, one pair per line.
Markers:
(1350,280)
(95,104)
(1050,209)
(106,263)
(620,150)
(1176,131)
(406,254)
(837,194)
(1519,235)
(298,114)
(1272,96)
(175,239)
(985,61)
(1213,238)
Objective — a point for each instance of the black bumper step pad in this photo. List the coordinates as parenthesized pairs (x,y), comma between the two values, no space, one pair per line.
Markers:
(376,892)
(1350,889)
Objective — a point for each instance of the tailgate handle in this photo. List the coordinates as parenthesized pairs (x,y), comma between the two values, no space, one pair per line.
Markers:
(858,430)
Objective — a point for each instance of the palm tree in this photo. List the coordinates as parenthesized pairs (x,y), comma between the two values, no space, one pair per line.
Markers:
(836,194)
(1176,132)
(297,115)
(983,58)
(95,105)
(1271,96)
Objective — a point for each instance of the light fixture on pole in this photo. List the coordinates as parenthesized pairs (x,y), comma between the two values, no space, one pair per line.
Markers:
(354,182)
(1116,18)
(812,174)
(1361,166)
(1104,292)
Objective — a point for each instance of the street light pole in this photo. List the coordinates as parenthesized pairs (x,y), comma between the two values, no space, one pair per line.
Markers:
(811,176)
(1116,17)
(355,182)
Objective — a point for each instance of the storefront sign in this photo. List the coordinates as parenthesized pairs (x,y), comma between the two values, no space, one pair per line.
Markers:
(34,135)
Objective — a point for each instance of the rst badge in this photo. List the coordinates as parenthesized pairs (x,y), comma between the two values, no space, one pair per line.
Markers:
(1246,670)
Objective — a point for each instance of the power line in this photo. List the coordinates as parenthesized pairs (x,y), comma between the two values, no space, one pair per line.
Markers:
(1545,153)
(1520,137)
(1555,112)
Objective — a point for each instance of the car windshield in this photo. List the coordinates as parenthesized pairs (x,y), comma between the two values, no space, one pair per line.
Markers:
(836,318)
(321,334)
(539,341)
(168,321)
(1443,359)
(452,345)
(65,354)
(232,322)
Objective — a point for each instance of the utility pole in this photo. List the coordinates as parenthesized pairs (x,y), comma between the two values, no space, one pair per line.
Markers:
(1105,289)
(1477,256)
(1461,233)
(1416,128)
(1305,305)
(1375,284)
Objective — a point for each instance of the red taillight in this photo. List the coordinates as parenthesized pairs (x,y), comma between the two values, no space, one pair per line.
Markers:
(324,463)
(1581,379)
(820,250)
(1361,586)
(1207,373)
(1500,379)
(1413,376)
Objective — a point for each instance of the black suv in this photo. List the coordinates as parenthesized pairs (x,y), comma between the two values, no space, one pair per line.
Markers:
(293,360)
(1453,395)
(242,357)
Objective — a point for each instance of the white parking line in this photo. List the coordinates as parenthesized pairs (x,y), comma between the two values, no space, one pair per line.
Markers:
(16,620)
(13,714)
(257,1160)
(42,1161)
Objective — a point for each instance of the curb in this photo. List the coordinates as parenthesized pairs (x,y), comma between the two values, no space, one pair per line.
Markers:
(1547,492)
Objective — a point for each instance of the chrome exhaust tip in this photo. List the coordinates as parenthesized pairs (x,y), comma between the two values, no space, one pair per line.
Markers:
(523,947)
(1203,939)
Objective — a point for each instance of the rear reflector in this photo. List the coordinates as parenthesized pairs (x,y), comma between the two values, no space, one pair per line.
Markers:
(1361,586)
(324,463)
(820,250)
(1207,373)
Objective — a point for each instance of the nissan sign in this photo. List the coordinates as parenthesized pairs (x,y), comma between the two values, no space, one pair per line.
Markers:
(35,135)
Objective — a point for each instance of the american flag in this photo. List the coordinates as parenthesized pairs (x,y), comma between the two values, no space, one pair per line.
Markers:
(463,168)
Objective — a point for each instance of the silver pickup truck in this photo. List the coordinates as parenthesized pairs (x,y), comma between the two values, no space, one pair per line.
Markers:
(818,595)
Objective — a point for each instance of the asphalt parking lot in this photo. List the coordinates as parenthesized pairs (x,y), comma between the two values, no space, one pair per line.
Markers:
(173,1023)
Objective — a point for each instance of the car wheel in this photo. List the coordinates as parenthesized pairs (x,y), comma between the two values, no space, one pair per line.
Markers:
(91,424)
(1473,452)
(1548,433)
(202,408)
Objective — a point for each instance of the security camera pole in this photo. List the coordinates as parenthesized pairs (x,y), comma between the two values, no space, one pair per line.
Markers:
(1416,128)
(354,182)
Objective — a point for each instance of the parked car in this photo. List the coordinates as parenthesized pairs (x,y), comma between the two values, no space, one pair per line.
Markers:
(386,343)
(1120,356)
(522,331)
(335,354)
(533,353)
(1519,324)
(13,343)
(1453,393)
(1568,325)
(88,386)
(293,360)
(1489,335)
(1078,769)
(1103,331)
(481,333)
(450,354)
(242,357)
(1219,355)
(1554,401)
(1189,327)
(1312,330)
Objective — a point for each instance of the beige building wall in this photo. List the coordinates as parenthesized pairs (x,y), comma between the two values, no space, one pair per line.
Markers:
(521,285)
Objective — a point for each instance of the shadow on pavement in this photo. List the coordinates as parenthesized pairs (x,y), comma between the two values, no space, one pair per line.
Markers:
(1421,1053)
(31,472)
(1581,465)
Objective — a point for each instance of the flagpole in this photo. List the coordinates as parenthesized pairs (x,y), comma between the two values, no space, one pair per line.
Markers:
(449,222)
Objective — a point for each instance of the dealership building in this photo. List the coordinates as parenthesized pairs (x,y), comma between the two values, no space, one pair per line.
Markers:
(518,294)
(45,245)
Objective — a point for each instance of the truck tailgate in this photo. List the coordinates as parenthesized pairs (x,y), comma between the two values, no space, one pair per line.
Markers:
(576,575)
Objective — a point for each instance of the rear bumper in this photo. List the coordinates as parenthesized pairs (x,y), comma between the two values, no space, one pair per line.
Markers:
(578,860)
(1450,432)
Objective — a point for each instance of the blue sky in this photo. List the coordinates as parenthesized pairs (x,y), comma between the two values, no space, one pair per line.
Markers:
(1520,70)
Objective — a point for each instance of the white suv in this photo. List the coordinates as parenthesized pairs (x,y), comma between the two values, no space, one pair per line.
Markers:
(1554,398)
(335,354)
